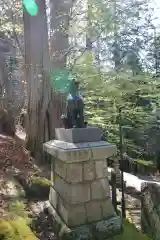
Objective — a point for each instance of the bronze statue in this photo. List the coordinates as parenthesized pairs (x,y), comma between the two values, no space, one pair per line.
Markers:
(75,108)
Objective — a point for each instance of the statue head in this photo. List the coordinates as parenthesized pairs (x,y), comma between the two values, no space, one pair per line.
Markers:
(74,87)
(76,82)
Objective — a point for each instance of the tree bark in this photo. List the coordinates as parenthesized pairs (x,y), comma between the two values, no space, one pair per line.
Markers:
(60,18)
(6,84)
(45,106)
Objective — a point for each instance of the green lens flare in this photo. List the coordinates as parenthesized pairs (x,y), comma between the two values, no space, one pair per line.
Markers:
(61,80)
(31,7)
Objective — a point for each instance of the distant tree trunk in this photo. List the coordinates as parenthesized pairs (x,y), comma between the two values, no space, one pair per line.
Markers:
(7,116)
(10,117)
(89,28)
(158,162)
(98,54)
(60,11)
(44,105)
(59,42)
(116,46)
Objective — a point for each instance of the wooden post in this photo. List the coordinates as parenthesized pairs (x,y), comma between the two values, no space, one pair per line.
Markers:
(122,162)
(114,194)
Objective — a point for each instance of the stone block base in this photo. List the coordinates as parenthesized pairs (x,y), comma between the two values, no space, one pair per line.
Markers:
(82,213)
(100,230)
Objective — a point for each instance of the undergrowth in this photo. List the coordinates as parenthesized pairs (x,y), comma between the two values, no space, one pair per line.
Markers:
(16,225)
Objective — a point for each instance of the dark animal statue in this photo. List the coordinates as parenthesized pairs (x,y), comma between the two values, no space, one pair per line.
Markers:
(75,108)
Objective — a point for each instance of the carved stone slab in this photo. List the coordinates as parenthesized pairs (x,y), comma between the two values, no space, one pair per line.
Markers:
(78,135)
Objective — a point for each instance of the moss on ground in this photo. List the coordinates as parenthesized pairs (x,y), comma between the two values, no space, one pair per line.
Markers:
(35,187)
(131,233)
(6,230)
(15,226)
(16,229)
(38,187)
(18,208)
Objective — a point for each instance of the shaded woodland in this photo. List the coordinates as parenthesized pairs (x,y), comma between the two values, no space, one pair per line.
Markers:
(112,47)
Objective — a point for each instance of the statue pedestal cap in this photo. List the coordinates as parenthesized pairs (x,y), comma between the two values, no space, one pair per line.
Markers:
(78,135)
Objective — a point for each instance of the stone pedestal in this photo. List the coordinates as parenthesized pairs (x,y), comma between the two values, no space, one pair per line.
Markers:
(80,192)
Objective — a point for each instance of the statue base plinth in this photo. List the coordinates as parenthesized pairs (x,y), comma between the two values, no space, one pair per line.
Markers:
(78,135)
(101,230)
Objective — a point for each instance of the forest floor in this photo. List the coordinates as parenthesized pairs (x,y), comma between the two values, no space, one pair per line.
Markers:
(17,169)
(17,165)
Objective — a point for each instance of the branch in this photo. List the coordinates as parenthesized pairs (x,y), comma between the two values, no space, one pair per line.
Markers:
(9,19)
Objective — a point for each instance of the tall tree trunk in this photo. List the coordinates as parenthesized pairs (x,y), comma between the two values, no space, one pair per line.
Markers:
(60,17)
(45,106)
(40,98)
(59,42)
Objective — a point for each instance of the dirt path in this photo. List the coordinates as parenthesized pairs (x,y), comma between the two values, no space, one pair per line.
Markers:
(133,206)
(133,210)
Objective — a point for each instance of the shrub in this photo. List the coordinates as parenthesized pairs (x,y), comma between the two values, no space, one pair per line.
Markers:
(144,162)
(145,167)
